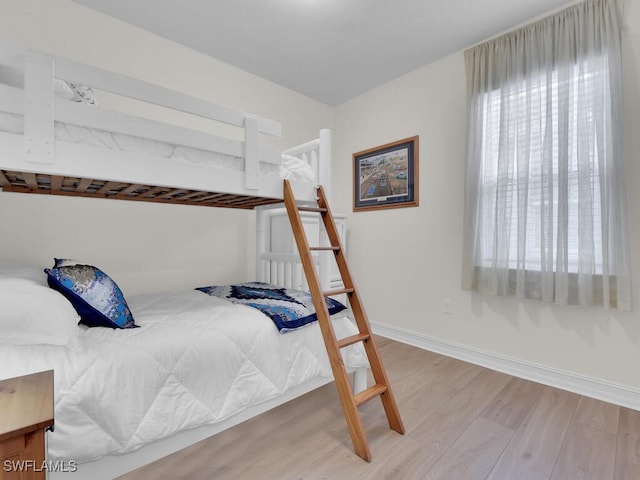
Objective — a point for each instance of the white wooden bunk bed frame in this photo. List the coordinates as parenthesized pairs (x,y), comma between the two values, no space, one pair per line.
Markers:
(34,161)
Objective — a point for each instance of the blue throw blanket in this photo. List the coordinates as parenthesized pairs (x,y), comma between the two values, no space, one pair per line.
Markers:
(289,309)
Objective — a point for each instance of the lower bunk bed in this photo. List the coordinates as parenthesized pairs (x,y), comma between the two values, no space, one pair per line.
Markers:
(196,365)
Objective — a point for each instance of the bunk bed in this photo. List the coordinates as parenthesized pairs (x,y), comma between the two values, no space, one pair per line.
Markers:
(55,140)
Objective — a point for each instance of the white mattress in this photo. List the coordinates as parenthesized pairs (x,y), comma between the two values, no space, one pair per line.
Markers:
(195,360)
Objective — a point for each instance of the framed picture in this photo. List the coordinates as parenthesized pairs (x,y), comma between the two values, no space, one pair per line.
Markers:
(386,176)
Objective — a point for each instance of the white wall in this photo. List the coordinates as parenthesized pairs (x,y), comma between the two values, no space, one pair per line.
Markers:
(407,261)
(145,247)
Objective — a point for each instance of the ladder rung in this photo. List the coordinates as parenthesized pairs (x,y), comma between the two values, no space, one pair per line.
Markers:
(331,293)
(369,393)
(324,248)
(312,209)
(358,337)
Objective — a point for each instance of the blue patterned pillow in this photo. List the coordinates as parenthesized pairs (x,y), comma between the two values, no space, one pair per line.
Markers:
(94,295)
(288,308)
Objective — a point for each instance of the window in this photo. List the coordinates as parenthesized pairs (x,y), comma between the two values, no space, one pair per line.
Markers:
(538,178)
(545,203)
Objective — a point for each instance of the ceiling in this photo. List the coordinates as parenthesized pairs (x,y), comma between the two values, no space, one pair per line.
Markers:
(330,50)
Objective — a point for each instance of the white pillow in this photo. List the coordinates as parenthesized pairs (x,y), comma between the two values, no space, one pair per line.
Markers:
(294,168)
(32,314)
(62,90)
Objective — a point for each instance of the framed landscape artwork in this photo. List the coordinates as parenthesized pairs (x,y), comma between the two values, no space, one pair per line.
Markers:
(386,176)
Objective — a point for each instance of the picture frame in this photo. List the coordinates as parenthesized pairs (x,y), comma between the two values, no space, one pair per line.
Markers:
(386,176)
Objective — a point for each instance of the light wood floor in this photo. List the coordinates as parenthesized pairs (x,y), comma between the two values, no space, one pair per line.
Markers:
(462,422)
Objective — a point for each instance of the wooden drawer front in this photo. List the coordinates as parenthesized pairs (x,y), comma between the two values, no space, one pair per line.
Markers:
(22,457)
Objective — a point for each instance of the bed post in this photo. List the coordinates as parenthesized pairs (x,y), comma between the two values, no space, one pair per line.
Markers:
(359,380)
(38,108)
(261,242)
(324,178)
(324,162)
(251,159)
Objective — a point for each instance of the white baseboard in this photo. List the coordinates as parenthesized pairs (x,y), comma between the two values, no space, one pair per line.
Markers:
(583,385)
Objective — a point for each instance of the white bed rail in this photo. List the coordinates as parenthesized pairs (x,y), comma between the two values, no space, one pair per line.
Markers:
(317,154)
(15,56)
(283,269)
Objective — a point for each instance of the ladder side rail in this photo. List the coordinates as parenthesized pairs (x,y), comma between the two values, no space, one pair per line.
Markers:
(324,258)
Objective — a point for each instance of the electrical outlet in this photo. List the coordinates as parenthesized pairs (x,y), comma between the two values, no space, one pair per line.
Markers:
(447,306)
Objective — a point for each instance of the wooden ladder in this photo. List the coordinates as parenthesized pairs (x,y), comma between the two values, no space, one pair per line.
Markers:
(381,388)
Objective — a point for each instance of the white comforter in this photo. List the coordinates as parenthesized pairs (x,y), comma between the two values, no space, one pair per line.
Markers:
(196,359)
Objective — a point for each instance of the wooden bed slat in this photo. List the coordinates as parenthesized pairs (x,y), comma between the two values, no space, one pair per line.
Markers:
(109,186)
(56,183)
(152,192)
(31,180)
(4,181)
(128,190)
(214,196)
(192,195)
(171,194)
(85,187)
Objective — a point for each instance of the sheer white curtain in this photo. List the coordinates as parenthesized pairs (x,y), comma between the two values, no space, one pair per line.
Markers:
(545,205)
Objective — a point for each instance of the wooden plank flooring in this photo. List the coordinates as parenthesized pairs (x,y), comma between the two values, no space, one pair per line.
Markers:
(462,421)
